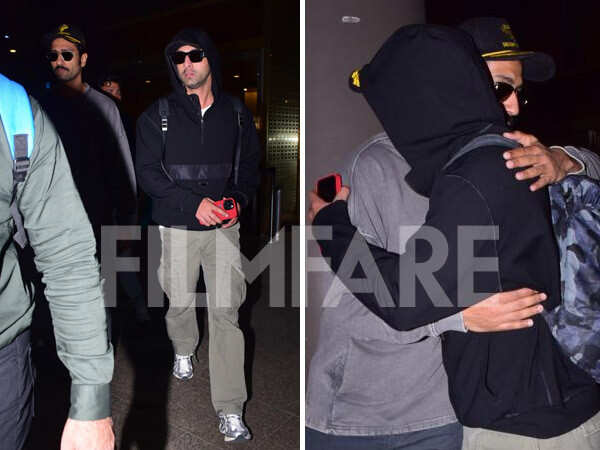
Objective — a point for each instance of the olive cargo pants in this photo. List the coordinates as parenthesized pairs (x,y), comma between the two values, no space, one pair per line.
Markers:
(218,252)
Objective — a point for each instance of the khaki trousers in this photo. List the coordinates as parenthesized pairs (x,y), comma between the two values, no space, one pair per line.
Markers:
(218,252)
(584,437)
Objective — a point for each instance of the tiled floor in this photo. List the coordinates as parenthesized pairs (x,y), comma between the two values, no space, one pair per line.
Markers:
(153,410)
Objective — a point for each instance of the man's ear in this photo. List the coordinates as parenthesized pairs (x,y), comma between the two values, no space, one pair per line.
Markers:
(83,59)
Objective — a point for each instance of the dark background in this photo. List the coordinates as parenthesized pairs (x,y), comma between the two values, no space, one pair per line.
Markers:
(564,110)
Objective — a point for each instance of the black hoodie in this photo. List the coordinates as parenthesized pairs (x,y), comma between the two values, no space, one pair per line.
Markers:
(200,149)
(433,93)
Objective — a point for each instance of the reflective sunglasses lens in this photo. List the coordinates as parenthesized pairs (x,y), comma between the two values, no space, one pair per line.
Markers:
(51,56)
(178,57)
(522,97)
(67,56)
(196,56)
(503,90)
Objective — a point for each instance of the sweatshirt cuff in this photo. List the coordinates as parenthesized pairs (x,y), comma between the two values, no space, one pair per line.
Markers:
(335,213)
(190,203)
(454,322)
(239,197)
(575,157)
(90,401)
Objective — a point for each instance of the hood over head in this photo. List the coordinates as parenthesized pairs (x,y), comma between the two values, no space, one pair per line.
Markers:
(433,93)
(200,39)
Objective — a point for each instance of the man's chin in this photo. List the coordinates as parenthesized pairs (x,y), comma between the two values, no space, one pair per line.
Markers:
(62,75)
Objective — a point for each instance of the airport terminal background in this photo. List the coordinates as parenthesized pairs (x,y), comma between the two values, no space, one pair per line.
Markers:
(258,41)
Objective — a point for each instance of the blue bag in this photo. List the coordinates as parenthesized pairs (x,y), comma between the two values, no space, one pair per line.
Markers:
(17,120)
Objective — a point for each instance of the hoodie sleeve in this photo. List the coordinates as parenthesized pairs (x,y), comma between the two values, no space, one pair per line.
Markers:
(243,191)
(454,203)
(588,160)
(151,176)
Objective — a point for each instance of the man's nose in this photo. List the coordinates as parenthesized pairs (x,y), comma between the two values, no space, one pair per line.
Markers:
(511,104)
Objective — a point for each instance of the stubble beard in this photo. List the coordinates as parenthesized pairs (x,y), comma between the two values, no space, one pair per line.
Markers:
(66,76)
(197,84)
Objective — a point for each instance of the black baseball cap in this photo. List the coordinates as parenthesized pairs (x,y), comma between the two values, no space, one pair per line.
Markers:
(496,42)
(68,32)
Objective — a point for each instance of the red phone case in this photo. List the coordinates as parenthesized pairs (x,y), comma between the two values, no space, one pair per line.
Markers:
(338,181)
(230,213)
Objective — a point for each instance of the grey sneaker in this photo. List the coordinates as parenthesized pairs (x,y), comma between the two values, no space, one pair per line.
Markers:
(182,367)
(232,426)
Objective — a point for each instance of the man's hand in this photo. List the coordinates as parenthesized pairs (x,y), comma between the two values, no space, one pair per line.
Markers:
(88,435)
(233,221)
(208,213)
(317,203)
(504,311)
(549,165)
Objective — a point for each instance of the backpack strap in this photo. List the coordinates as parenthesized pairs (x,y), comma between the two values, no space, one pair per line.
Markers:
(485,140)
(163,112)
(18,124)
(238,109)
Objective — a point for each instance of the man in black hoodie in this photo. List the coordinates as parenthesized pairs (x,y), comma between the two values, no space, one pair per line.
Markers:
(187,159)
(514,389)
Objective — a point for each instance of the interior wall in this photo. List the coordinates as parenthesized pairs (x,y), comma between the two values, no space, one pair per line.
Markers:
(337,120)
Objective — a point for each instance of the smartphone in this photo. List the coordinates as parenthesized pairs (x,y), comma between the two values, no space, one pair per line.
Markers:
(329,186)
(230,207)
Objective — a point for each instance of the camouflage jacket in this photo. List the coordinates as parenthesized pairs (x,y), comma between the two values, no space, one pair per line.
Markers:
(576,219)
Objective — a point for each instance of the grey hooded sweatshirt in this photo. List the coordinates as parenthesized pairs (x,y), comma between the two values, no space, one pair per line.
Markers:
(367,378)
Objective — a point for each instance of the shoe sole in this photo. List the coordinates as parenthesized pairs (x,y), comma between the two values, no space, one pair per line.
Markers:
(238,440)
(184,377)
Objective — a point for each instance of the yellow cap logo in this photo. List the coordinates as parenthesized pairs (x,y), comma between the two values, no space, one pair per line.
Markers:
(356,78)
(62,28)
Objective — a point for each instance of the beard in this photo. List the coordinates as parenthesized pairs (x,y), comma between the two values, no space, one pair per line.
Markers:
(194,82)
(63,74)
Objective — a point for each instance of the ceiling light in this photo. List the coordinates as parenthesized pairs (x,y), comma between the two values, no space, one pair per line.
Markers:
(237,75)
(6,36)
(245,89)
(147,81)
(350,19)
(12,50)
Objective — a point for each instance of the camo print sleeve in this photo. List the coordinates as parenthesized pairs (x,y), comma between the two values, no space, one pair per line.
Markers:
(576,219)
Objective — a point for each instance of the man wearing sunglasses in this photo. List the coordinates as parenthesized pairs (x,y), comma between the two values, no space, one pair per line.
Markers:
(189,157)
(509,66)
(90,127)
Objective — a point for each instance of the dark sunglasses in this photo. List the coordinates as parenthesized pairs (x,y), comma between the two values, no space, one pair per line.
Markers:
(195,56)
(504,90)
(53,56)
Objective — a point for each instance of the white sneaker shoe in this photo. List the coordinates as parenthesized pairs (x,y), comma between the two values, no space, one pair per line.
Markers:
(232,426)
(182,367)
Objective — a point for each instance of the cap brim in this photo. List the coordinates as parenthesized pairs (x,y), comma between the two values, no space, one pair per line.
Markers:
(537,66)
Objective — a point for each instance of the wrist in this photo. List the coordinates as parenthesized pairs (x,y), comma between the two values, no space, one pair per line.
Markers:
(566,161)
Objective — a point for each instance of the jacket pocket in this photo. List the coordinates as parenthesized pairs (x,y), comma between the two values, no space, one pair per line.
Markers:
(386,383)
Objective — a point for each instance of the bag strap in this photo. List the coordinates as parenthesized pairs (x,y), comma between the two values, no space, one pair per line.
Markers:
(18,124)
(163,111)
(485,140)
(238,109)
